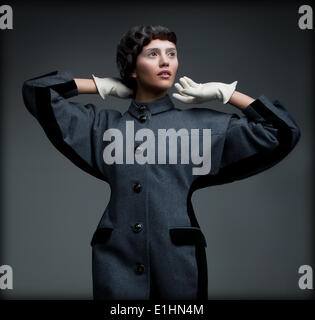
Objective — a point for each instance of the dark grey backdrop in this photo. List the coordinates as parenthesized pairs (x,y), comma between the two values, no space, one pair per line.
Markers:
(259,230)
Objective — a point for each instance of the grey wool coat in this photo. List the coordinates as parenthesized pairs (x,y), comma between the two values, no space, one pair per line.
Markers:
(148,243)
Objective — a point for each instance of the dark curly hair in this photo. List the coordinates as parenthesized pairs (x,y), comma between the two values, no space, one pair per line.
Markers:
(130,46)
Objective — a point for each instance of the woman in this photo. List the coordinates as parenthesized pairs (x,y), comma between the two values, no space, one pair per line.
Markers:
(148,243)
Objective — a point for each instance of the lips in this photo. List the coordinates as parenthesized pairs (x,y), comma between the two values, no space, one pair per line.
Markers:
(164,72)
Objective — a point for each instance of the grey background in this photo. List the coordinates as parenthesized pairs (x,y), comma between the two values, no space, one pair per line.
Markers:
(259,230)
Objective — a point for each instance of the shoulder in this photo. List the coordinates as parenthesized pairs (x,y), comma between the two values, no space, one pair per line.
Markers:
(206,118)
(107,117)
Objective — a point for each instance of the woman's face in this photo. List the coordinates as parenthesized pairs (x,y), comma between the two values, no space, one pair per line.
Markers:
(155,57)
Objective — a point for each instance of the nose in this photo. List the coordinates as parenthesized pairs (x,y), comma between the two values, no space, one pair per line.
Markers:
(164,60)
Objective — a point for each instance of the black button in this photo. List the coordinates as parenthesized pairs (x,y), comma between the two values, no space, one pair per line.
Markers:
(137,227)
(140,268)
(143,118)
(142,108)
(137,187)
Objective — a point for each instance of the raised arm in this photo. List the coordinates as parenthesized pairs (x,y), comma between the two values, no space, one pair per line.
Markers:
(103,86)
(240,100)
(87,86)
(258,141)
(75,129)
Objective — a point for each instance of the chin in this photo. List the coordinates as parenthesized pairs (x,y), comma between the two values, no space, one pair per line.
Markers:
(158,89)
(165,86)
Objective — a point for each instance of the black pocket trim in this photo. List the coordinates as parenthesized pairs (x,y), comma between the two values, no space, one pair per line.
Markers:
(187,236)
(101,235)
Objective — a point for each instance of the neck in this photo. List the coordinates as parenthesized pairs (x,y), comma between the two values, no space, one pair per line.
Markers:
(149,96)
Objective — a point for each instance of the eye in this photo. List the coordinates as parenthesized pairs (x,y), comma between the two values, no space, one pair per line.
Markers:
(173,53)
(152,52)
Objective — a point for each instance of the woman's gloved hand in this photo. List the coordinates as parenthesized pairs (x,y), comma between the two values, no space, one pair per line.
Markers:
(192,92)
(113,87)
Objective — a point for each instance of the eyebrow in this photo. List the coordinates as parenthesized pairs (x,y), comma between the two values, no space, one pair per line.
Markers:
(171,48)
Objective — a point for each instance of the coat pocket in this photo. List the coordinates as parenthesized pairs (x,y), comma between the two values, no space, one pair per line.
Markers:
(187,236)
(101,235)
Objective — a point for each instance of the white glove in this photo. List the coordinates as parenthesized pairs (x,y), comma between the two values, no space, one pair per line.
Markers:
(192,92)
(113,87)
